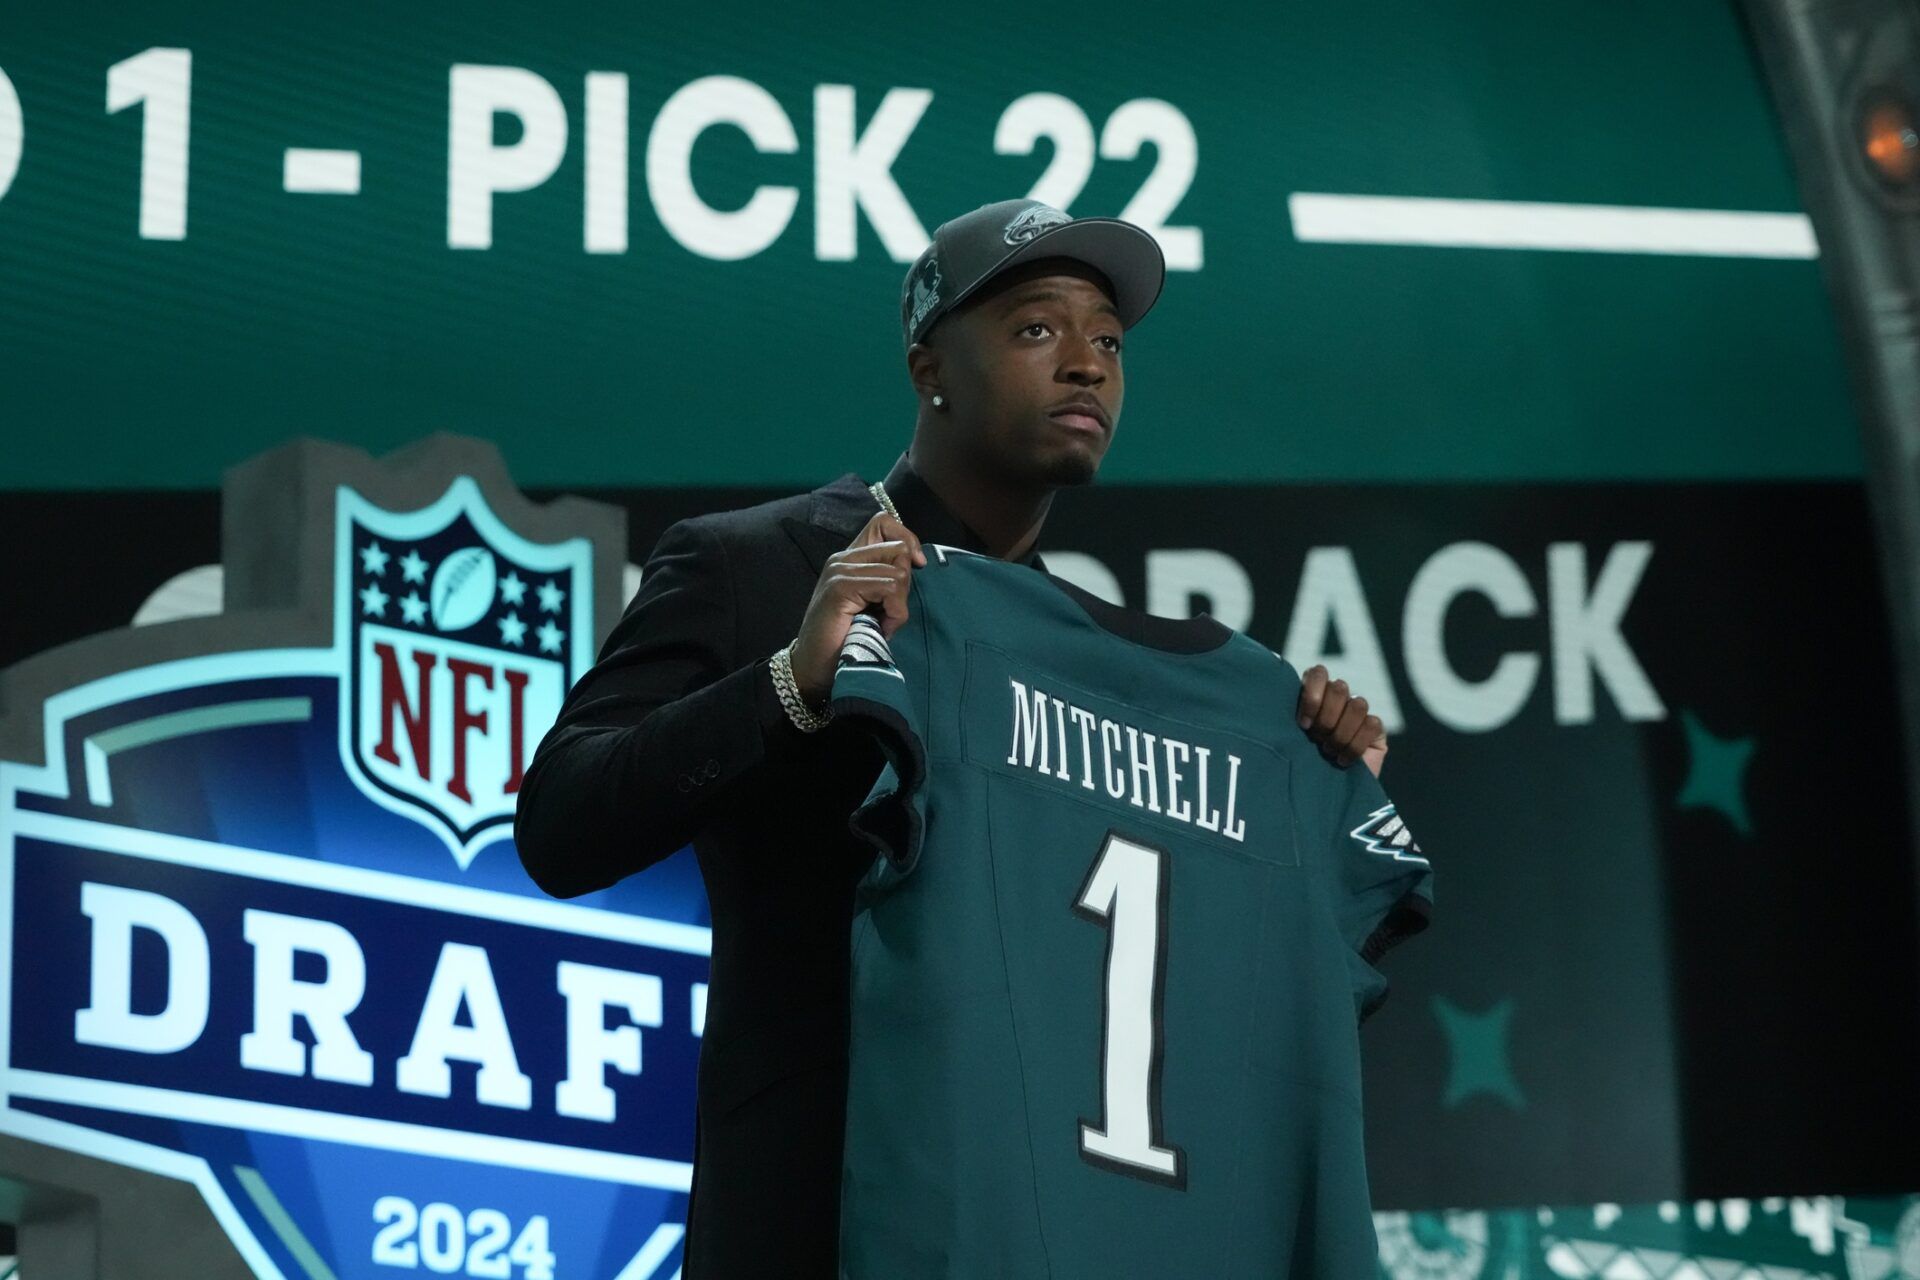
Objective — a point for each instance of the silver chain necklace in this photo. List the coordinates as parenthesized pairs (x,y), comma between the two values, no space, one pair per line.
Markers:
(879,492)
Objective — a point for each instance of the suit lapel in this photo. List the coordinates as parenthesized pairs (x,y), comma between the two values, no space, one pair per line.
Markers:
(815,543)
(838,511)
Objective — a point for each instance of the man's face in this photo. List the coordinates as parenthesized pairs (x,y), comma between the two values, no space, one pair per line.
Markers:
(1013,359)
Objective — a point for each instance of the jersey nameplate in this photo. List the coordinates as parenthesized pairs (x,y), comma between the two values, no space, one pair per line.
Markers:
(1030,724)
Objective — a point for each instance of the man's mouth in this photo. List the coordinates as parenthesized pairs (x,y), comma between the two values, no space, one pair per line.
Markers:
(1079,421)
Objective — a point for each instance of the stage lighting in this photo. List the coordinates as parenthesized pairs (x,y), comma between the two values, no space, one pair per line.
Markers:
(1887,140)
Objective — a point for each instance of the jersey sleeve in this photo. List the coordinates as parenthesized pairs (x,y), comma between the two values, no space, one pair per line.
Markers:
(882,697)
(1384,880)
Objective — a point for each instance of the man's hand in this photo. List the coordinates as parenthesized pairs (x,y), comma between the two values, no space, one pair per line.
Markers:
(876,568)
(1338,724)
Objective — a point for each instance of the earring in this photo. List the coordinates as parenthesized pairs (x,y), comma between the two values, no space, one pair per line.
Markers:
(937,402)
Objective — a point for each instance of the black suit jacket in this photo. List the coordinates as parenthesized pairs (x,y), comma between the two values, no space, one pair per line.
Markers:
(677,735)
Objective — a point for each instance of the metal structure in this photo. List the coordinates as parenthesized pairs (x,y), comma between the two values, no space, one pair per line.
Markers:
(1845,79)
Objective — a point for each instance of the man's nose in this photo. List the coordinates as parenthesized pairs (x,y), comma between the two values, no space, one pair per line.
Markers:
(1081,365)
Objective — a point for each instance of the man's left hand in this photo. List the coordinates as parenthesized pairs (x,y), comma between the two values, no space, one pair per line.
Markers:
(1338,723)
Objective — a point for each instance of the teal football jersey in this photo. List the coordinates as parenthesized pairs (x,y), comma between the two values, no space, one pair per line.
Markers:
(1111,959)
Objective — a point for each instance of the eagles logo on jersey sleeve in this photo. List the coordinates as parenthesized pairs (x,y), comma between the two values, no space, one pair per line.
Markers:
(1385,832)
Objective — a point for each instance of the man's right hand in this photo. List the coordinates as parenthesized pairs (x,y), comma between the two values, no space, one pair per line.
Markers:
(876,568)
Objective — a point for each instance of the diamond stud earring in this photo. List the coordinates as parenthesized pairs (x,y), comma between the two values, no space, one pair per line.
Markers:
(937,402)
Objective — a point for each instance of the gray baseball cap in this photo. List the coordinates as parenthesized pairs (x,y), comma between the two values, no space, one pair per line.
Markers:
(971,249)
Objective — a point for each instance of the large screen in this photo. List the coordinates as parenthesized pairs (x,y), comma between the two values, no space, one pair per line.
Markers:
(649,248)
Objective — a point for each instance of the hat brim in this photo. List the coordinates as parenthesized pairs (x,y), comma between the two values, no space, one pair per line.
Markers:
(1125,254)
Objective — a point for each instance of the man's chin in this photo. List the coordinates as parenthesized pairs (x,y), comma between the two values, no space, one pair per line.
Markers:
(1076,477)
(1051,464)
(1064,471)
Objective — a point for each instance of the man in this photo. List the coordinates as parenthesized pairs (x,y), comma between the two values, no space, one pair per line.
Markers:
(690,726)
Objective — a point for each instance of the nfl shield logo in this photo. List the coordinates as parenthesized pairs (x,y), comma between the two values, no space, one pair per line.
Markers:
(460,639)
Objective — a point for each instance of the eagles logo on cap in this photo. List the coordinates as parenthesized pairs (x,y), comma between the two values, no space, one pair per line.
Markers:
(924,294)
(1031,222)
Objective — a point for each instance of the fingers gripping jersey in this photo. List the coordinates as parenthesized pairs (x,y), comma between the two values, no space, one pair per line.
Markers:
(1110,962)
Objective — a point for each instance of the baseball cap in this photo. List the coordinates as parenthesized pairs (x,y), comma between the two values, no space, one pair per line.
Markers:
(973,248)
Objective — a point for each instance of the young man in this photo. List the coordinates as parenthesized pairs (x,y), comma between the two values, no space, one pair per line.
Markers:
(700,721)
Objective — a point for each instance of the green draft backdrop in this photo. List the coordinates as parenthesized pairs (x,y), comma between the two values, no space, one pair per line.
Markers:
(655,255)
(735,321)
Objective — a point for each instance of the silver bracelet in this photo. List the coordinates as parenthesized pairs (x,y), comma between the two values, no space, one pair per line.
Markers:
(804,718)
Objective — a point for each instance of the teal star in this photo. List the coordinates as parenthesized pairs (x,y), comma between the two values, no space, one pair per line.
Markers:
(1477,1049)
(1716,768)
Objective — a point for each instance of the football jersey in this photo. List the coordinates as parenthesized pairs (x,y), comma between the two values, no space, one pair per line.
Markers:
(1111,958)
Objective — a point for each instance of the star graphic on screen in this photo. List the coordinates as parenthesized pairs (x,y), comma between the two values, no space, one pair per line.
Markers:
(373,601)
(512,590)
(1478,1054)
(373,559)
(413,568)
(551,595)
(413,608)
(550,637)
(1716,772)
(512,630)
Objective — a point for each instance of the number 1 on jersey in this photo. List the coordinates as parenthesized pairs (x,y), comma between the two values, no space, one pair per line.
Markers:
(1126,891)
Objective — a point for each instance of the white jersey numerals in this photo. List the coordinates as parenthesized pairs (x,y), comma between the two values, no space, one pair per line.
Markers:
(1126,891)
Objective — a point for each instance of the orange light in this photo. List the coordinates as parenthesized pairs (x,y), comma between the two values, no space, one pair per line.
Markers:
(1892,143)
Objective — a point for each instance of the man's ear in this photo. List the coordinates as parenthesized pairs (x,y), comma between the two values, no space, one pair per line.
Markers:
(923,369)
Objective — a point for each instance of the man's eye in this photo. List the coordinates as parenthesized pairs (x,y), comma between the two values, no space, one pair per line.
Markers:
(1110,338)
(1036,324)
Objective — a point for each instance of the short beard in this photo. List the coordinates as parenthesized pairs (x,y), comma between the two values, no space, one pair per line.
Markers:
(1065,470)
(1061,471)
(1069,471)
